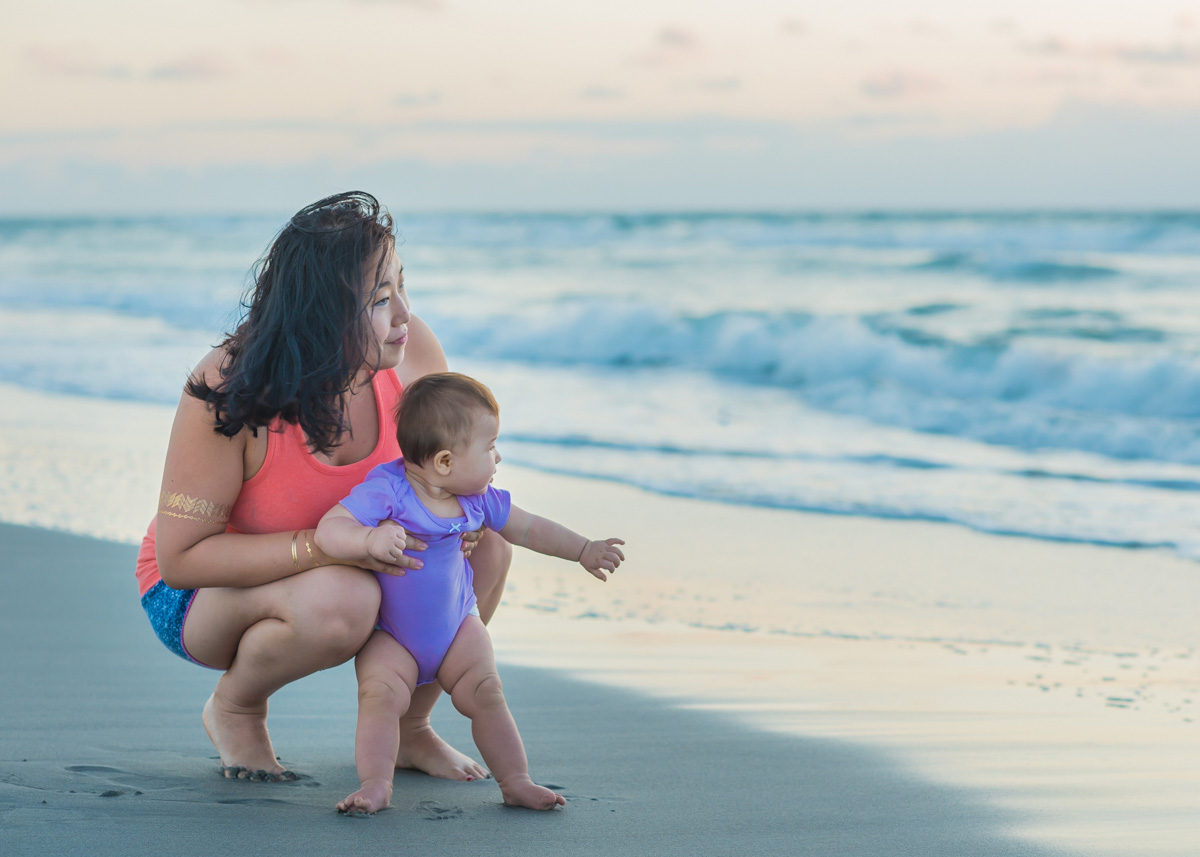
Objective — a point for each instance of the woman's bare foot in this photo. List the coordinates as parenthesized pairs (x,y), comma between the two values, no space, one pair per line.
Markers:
(372,797)
(522,791)
(422,749)
(242,742)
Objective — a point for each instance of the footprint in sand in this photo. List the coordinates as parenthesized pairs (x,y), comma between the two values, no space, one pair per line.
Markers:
(434,811)
(93,769)
(111,777)
(113,782)
(234,772)
(256,801)
(582,798)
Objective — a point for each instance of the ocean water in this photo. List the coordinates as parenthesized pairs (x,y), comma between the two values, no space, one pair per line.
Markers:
(1024,373)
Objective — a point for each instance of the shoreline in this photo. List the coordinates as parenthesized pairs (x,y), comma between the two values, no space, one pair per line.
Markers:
(1056,680)
(1054,684)
(137,773)
(48,424)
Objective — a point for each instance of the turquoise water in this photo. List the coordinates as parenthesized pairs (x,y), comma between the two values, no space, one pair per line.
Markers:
(1036,373)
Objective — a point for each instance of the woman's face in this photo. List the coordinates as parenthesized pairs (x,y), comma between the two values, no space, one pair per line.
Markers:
(389,310)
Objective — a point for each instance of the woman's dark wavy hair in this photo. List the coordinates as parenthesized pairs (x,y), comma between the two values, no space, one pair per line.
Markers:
(307,327)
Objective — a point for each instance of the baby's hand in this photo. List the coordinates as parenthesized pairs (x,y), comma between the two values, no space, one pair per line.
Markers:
(386,542)
(600,556)
(470,540)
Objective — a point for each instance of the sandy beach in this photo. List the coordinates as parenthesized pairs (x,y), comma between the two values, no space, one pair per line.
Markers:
(103,754)
(753,681)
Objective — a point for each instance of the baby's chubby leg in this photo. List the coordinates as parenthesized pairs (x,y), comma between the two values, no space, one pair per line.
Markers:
(387,674)
(468,673)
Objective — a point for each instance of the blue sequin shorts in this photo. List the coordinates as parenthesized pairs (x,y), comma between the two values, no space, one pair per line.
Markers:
(167,608)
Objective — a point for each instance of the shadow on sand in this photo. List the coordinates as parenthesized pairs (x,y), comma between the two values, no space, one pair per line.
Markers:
(102,753)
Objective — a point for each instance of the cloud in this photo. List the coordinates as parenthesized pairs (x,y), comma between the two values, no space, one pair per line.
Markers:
(895,84)
(77,60)
(1177,52)
(417,99)
(671,44)
(719,84)
(194,67)
(195,144)
(1050,46)
(927,29)
(1088,155)
(893,121)
(1180,53)
(430,5)
(676,38)
(689,128)
(596,92)
(1063,77)
(81,60)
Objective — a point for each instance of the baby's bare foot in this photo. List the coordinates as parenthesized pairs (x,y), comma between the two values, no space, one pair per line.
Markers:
(422,749)
(525,792)
(242,742)
(372,797)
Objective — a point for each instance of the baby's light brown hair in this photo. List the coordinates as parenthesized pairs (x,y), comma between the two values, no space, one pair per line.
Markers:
(437,412)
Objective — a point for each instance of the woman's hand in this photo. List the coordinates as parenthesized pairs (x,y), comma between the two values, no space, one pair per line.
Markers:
(385,546)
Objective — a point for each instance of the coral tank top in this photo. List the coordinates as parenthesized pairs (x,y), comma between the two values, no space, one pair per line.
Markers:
(293,489)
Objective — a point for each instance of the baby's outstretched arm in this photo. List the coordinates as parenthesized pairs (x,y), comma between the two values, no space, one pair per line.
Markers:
(340,534)
(553,539)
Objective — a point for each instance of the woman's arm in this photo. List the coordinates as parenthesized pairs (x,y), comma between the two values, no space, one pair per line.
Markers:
(553,539)
(201,481)
(340,534)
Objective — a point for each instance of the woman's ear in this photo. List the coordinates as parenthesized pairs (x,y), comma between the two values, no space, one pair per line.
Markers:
(443,462)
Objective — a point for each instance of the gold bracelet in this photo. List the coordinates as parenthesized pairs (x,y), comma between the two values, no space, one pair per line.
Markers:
(295,557)
(308,547)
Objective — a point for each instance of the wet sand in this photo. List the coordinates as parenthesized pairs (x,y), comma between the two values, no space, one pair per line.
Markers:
(103,753)
(752,681)
(1059,681)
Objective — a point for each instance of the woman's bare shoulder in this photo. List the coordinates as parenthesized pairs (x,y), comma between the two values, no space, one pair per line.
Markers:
(193,411)
(193,435)
(209,367)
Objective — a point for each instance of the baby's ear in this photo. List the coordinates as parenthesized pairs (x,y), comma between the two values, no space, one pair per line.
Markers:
(443,462)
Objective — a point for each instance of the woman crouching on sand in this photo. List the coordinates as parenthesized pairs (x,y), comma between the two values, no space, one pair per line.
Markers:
(275,426)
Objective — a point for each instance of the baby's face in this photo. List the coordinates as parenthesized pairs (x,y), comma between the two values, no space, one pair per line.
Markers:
(475,460)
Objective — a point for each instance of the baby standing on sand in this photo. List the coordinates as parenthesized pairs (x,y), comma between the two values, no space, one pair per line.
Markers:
(429,628)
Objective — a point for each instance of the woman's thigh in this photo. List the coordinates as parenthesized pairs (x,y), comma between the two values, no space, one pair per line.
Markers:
(326,601)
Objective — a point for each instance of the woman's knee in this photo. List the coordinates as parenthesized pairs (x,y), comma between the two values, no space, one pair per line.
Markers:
(336,606)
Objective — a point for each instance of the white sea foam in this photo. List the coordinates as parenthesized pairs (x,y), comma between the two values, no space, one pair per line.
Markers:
(81,464)
(1029,395)
(1037,374)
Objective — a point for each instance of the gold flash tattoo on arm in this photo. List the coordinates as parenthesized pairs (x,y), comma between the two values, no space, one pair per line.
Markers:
(176,505)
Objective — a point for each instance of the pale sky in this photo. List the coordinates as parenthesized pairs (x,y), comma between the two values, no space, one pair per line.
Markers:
(626,104)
